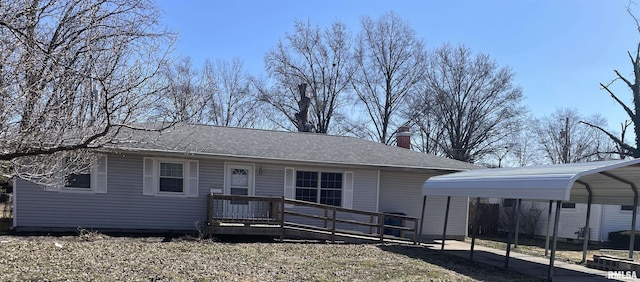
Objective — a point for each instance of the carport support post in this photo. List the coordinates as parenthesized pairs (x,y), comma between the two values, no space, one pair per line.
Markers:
(555,241)
(424,203)
(632,240)
(546,240)
(518,203)
(474,230)
(586,234)
(512,220)
(446,218)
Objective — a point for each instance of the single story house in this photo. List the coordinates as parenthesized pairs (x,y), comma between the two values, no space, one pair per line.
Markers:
(160,180)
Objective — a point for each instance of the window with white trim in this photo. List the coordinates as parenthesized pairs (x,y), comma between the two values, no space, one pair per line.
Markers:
(170,177)
(90,179)
(319,187)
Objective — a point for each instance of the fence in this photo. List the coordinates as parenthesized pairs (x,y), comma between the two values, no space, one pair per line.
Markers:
(6,205)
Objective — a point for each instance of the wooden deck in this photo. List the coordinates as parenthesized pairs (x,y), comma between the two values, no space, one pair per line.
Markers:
(288,218)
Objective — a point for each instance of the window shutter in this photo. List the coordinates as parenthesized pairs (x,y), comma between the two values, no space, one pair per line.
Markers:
(289,184)
(192,178)
(58,178)
(289,180)
(149,179)
(347,193)
(99,176)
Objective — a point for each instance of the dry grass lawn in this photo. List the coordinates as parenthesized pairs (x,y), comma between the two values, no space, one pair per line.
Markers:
(98,257)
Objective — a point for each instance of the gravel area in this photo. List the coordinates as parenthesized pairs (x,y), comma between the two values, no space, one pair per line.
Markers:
(97,257)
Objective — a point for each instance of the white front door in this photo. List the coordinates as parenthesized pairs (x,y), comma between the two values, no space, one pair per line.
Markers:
(238,181)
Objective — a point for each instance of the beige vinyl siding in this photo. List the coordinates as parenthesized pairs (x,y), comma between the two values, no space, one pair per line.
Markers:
(402,192)
(571,219)
(615,219)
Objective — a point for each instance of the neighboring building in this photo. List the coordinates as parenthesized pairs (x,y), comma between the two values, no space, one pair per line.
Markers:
(604,218)
(159,182)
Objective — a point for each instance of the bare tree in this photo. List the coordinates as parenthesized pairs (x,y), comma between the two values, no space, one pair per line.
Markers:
(523,147)
(520,148)
(319,58)
(425,122)
(233,100)
(563,139)
(633,110)
(473,101)
(219,94)
(73,73)
(184,96)
(391,61)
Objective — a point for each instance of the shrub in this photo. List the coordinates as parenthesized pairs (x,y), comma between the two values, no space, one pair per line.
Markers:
(530,218)
(620,239)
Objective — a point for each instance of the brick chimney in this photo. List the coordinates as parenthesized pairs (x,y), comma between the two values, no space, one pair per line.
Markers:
(403,137)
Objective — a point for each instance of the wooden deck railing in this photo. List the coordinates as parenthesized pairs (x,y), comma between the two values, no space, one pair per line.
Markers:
(244,209)
(249,210)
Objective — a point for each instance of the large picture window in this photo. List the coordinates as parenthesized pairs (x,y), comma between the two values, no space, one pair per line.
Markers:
(319,187)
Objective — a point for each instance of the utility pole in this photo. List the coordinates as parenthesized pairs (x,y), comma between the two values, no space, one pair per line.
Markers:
(567,141)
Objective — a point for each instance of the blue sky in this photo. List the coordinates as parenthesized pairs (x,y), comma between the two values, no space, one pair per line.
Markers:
(559,50)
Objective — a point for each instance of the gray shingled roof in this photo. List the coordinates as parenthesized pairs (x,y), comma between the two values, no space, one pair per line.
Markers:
(289,146)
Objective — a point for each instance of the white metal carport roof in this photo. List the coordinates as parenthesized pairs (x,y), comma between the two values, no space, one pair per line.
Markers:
(559,182)
(605,182)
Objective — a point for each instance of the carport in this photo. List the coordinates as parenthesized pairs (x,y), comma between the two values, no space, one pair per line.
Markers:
(604,182)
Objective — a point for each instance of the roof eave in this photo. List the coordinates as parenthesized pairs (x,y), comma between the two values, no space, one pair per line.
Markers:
(218,155)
